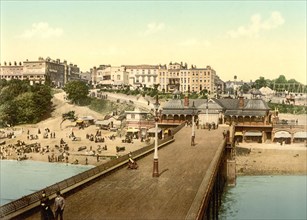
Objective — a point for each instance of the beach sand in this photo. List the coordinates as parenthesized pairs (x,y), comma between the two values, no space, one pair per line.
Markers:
(271,159)
(63,130)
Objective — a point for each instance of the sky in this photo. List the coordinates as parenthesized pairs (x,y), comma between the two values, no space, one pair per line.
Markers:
(248,39)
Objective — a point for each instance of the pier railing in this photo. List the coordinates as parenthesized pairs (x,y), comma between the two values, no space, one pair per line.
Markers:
(31,201)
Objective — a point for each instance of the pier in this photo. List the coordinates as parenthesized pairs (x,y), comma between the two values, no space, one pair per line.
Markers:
(189,186)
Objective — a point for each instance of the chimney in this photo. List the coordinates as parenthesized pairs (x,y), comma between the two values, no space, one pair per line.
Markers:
(186,101)
(241,102)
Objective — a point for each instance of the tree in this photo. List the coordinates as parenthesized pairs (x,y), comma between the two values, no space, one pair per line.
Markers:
(77,92)
(22,103)
(261,82)
(245,88)
(281,79)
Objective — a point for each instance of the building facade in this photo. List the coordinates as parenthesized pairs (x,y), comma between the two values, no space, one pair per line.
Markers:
(41,71)
(143,75)
(179,76)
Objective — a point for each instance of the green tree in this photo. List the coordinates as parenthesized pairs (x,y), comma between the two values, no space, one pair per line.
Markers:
(8,114)
(41,97)
(77,92)
(22,103)
(281,79)
(245,88)
(27,110)
(261,82)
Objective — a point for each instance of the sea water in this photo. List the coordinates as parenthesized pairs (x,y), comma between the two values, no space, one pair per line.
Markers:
(266,197)
(21,178)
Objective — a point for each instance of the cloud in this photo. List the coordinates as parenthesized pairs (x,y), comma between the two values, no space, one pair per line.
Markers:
(41,30)
(194,42)
(153,28)
(257,25)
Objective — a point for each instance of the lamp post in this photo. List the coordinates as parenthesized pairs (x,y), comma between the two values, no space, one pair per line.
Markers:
(193,126)
(155,161)
(207,118)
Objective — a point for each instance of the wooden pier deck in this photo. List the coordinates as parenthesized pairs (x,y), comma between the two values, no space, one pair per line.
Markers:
(135,194)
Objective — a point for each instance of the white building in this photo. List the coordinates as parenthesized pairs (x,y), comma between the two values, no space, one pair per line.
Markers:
(143,75)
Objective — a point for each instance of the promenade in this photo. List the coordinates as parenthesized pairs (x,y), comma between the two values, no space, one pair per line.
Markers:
(135,194)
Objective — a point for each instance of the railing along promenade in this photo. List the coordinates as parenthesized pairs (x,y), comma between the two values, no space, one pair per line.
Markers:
(31,201)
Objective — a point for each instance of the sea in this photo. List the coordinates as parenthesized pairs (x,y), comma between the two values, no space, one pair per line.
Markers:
(21,178)
(266,197)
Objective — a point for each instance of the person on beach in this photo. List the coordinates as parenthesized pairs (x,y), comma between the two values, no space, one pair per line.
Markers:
(46,212)
(59,205)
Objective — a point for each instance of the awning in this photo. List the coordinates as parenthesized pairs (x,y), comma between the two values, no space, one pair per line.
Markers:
(253,133)
(300,134)
(238,133)
(153,130)
(106,122)
(282,134)
(132,130)
(79,121)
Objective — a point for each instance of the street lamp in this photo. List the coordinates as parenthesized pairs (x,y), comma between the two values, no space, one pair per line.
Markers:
(207,112)
(193,126)
(155,161)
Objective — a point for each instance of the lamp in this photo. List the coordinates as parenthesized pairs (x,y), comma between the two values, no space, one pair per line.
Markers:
(193,126)
(207,109)
(155,161)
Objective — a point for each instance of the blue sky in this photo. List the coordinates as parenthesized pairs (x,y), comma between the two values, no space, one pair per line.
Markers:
(244,38)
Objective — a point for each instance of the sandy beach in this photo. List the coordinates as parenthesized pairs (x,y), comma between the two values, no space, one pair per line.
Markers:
(271,159)
(62,131)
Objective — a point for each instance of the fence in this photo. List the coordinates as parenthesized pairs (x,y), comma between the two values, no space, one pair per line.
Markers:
(32,200)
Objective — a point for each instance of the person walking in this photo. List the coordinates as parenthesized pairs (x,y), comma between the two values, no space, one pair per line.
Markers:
(59,204)
(46,212)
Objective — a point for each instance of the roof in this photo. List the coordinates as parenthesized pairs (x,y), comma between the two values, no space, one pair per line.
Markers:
(256,104)
(174,104)
(249,104)
(178,111)
(266,90)
(252,107)
(282,134)
(104,122)
(228,103)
